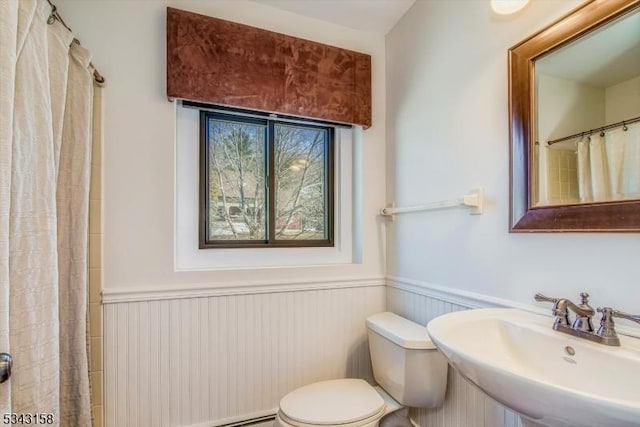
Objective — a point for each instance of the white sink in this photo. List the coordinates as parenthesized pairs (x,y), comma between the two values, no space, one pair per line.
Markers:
(520,361)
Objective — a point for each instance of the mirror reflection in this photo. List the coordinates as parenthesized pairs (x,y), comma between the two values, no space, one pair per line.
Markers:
(587,112)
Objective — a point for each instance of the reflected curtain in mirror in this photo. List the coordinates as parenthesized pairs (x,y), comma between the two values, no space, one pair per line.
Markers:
(600,167)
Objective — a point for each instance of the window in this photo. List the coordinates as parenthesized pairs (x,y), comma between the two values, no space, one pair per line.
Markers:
(265,182)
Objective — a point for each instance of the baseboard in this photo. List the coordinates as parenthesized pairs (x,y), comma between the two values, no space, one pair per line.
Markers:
(256,419)
(253,422)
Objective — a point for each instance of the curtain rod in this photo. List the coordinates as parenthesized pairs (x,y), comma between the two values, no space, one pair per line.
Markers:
(55,16)
(600,129)
(216,108)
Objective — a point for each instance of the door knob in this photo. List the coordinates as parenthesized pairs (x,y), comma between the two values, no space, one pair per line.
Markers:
(5,366)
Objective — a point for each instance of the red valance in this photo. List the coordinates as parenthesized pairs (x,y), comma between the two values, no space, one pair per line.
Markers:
(221,62)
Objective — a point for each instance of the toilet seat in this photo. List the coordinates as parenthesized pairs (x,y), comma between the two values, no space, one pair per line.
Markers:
(343,402)
(285,421)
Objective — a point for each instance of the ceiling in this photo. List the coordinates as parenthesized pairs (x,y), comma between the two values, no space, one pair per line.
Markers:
(601,59)
(374,16)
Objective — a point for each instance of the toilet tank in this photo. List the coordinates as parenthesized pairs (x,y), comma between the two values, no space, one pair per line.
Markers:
(406,364)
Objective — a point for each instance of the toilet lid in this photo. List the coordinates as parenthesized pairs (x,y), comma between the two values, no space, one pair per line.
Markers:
(332,402)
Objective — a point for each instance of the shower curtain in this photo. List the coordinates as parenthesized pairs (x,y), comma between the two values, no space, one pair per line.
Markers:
(46,99)
(609,165)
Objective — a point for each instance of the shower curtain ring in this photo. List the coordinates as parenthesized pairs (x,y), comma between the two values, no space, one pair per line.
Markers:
(624,126)
(52,17)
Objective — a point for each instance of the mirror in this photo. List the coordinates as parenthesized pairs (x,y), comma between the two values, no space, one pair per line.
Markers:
(574,104)
(587,110)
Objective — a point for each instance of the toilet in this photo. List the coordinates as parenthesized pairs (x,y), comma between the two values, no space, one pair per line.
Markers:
(408,368)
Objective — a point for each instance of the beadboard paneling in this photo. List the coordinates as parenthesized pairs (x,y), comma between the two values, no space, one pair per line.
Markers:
(465,405)
(190,361)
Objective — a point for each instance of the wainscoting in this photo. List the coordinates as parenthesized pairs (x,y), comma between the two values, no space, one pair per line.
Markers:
(205,360)
(210,360)
(465,404)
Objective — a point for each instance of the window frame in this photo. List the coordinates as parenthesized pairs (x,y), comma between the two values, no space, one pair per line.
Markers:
(269,121)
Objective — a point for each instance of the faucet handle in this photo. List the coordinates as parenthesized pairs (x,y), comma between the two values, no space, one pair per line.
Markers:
(607,314)
(607,328)
(622,315)
(541,298)
(559,309)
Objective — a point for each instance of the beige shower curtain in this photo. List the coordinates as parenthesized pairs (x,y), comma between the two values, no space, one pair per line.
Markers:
(609,165)
(46,99)
(623,151)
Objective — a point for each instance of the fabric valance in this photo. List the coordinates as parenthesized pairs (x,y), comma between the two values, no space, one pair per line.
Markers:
(221,62)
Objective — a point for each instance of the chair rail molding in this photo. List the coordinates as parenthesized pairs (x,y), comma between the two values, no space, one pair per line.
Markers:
(475,300)
(458,296)
(112,295)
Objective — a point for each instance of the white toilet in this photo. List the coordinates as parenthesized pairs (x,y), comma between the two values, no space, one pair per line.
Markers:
(407,366)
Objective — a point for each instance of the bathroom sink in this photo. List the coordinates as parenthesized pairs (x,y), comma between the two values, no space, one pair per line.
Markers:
(550,378)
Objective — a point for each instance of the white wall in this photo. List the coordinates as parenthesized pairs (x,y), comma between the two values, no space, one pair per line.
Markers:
(127,39)
(190,347)
(566,107)
(447,130)
(623,100)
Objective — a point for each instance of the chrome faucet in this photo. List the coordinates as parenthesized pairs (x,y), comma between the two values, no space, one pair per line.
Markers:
(607,327)
(584,313)
(582,326)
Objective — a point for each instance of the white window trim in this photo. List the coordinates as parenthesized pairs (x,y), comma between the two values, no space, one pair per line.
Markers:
(187,256)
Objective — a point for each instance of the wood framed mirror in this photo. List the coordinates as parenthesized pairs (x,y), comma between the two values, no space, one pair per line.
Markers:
(531,210)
